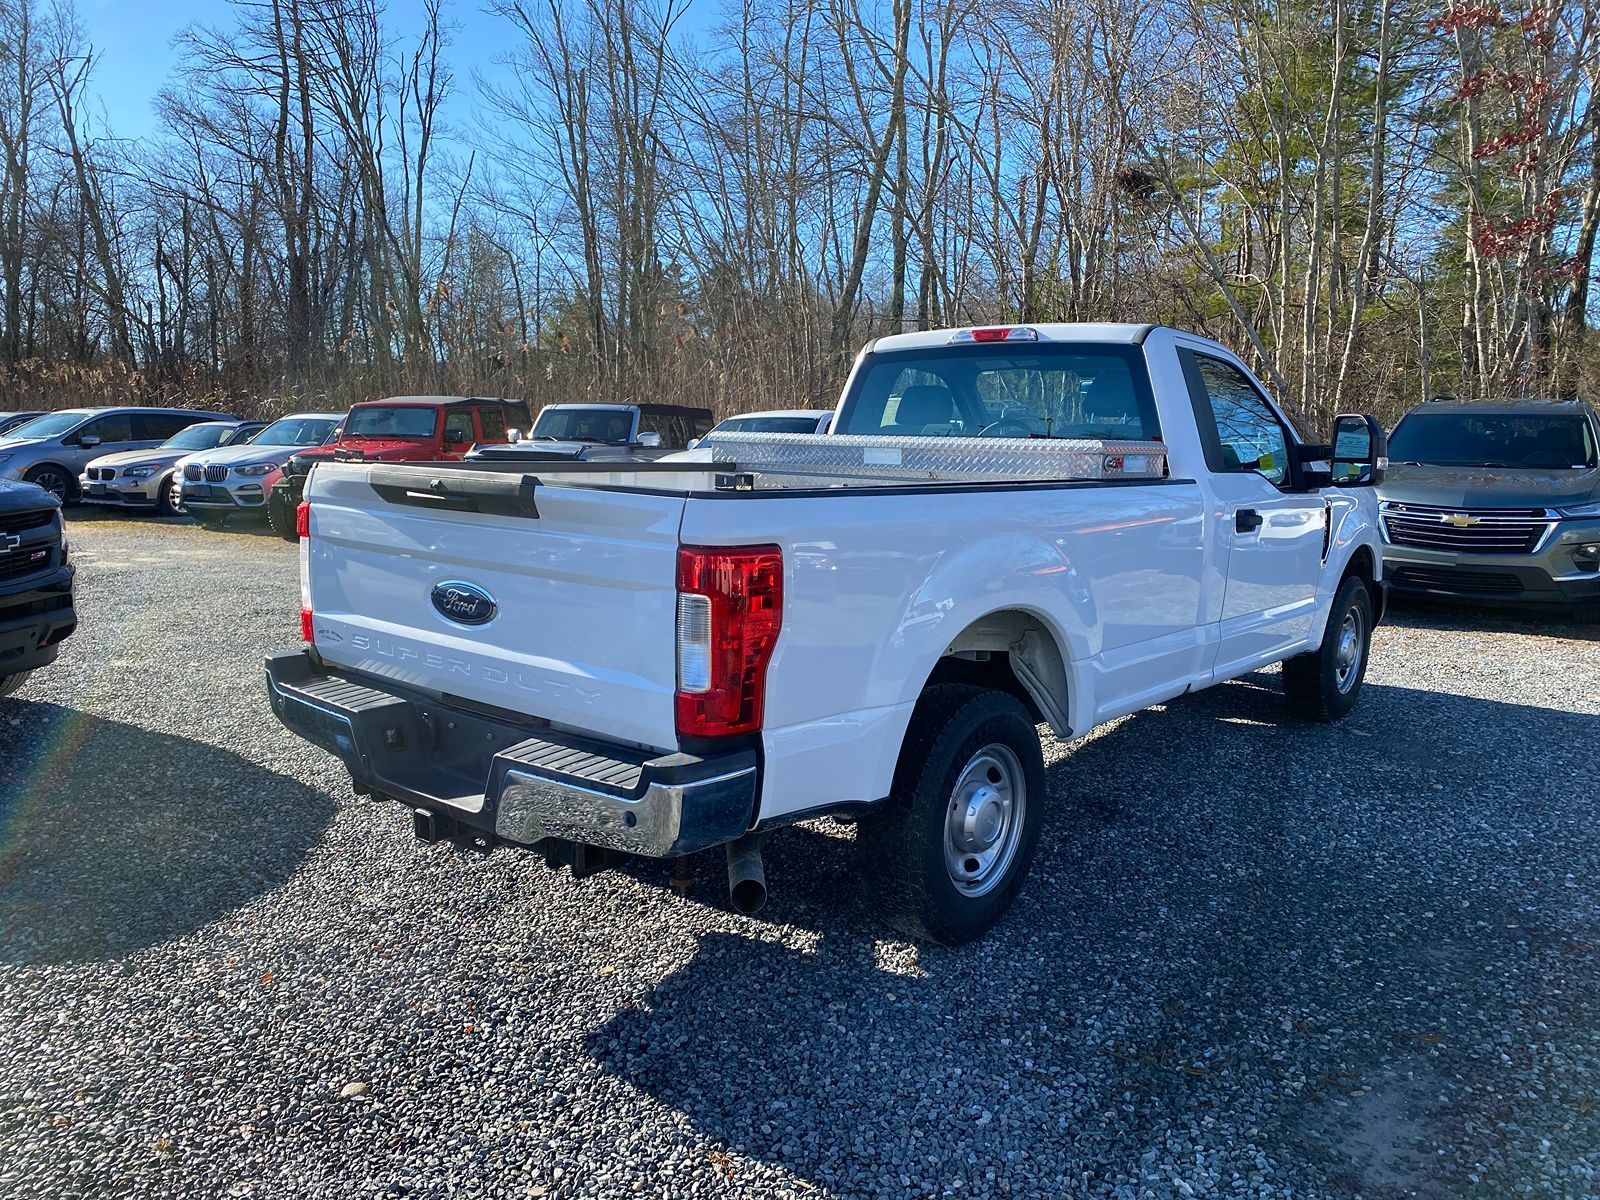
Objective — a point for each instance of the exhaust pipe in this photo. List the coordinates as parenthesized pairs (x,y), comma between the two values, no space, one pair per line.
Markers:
(747,880)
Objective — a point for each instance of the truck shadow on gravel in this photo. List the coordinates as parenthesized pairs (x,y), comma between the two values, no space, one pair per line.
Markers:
(1284,954)
(115,838)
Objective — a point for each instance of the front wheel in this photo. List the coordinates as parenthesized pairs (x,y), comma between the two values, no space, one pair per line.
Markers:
(166,503)
(54,480)
(947,854)
(281,506)
(10,683)
(1324,684)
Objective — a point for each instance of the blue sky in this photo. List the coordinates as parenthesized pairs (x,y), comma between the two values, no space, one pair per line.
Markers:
(133,39)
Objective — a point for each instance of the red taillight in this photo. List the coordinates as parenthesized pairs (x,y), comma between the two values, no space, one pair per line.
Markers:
(730,609)
(990,335)
(302,528)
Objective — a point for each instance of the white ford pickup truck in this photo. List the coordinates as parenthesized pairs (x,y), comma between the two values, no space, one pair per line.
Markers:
(1007,526)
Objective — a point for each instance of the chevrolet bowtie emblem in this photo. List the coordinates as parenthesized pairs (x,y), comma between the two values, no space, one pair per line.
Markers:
(1459,520)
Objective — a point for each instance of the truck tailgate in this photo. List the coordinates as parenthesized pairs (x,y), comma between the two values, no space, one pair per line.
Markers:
(580,599)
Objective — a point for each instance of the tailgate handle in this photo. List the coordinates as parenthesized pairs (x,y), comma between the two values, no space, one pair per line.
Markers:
(457,491)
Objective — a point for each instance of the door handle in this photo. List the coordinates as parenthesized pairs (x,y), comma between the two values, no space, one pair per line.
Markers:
(1246,520)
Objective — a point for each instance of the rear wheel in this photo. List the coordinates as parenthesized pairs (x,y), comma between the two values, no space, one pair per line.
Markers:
(54,480)
(945,857)
(10,683)
(1324,684)
(281,506)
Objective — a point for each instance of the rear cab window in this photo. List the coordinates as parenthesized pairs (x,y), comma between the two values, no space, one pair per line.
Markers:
(1063,390)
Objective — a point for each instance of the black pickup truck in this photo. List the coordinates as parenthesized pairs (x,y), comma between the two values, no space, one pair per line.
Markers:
(36,612)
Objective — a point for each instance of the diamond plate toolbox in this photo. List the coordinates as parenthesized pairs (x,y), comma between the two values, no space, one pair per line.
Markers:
(930,459)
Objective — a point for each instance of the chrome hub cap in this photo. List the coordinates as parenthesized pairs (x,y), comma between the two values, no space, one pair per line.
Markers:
(984,822)
(1347,652)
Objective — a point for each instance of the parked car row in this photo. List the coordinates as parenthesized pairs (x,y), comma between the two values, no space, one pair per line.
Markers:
(1496,501)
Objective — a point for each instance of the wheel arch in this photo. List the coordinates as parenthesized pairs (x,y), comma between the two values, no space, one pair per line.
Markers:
(1013,650)
(1363,565)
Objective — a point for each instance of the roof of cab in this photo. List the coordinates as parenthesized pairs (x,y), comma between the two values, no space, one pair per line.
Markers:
(1523,405)
(442,400)
(1049,331)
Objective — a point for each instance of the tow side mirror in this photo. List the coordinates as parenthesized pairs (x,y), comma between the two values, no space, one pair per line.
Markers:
(1360,451)
(513,436)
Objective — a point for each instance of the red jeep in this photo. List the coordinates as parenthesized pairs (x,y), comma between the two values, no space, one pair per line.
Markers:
(398,429)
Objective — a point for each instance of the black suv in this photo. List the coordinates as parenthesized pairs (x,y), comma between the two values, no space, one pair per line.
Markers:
(35,582)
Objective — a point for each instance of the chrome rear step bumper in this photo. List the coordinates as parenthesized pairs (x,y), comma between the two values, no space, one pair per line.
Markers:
(508,781)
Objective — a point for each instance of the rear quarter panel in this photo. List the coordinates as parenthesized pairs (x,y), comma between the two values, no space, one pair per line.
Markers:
(877,585)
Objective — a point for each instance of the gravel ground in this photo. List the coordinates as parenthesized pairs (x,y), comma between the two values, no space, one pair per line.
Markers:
(1254,958)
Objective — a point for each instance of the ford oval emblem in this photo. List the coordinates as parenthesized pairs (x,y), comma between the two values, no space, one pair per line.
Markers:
(464,603)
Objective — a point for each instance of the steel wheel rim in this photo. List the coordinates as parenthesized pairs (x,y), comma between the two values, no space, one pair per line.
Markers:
(983,822)
(1348,651)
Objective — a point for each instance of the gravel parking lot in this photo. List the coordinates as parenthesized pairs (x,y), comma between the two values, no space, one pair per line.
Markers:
(1254,958)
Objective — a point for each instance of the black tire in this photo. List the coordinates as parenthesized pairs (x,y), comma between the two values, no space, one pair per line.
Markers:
(210,517)
(955,730)
(281,506)
(10,683)
(165,507)
(1323,685)
(56,480)
(1587,613)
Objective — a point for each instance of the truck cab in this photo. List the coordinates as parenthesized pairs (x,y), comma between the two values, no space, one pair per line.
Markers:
(397,429)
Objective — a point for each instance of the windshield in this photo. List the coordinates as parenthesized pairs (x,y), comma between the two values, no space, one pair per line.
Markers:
(1071,391)
(391,421)
(296,431)
(768,425)
(1517,440)
(198,437)
(49,425)
(609,425)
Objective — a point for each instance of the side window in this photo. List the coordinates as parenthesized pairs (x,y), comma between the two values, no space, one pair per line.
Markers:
(158,427)
(672,428)
(493,423)
(1248,433)
(458,426)
(110,429)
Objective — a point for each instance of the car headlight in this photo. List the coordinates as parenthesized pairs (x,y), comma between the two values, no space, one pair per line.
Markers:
(140,471)
(254,470)
(1592,509)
